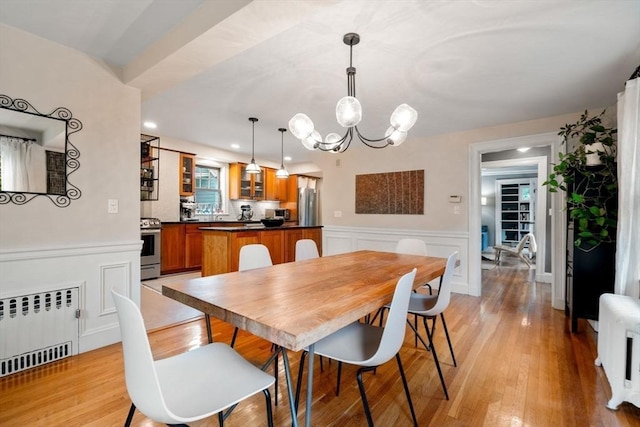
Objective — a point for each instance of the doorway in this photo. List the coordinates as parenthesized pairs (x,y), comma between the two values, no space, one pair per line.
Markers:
(557,240)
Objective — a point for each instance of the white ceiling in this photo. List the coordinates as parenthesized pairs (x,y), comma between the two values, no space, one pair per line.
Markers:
(205,66)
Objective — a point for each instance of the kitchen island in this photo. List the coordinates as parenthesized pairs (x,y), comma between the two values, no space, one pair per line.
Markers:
(221,245)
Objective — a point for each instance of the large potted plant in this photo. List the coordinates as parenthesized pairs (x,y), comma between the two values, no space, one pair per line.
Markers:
(587,172)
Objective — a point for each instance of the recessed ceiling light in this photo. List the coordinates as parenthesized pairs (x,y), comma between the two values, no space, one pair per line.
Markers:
(287,158)
(150,125)
(235,146)
(523,149)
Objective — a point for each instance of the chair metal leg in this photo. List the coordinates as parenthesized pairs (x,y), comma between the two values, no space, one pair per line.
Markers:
(446,332)
(220,419)
(415,331)
(275,373)
(406,389)
(207,323)
(233,338)
(303,356)
(267,396)
(435,358)
(127,423)
(339,375)
(363,395)
(415,323)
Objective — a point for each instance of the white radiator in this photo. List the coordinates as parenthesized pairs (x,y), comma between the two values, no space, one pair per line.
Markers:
(619,347)
(37,329)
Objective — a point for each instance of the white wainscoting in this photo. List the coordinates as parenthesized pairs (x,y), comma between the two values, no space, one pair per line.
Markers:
(93,269)
(336,240)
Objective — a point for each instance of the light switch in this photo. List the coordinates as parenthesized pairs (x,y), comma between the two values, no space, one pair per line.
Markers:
(112,206)
(337,214)
(456,210)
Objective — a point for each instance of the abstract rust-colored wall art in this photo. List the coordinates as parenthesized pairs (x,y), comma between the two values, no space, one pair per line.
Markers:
(396,193)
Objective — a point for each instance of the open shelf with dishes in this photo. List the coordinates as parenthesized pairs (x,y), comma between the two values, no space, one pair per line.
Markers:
(149,167)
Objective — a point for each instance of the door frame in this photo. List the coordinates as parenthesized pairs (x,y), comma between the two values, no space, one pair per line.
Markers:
(558,219)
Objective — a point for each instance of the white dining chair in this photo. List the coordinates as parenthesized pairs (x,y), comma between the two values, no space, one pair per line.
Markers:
(369,346)
(428,307)
(186,387)
(306,249)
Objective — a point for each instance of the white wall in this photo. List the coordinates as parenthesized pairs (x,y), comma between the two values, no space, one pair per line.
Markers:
(44,247)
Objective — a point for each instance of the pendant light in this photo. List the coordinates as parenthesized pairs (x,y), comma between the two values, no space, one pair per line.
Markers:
(282,172)
(253,166)
(348,115)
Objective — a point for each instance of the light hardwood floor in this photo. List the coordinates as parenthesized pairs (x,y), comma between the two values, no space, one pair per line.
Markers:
(518,365)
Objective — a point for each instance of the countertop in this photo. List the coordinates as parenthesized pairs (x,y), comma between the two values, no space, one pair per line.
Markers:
(257,227)
(222,221)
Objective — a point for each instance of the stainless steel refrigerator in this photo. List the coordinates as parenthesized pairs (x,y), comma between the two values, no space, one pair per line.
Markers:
(308,202)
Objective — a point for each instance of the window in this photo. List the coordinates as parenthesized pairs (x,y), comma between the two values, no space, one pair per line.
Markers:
(208,194)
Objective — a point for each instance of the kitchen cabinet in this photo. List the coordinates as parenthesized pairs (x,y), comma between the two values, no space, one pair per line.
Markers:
(193,246)
(149,167)
(186,174)
(290,239)
(274,241)
(243,185)
(172,248)
(221,248)
(275,188)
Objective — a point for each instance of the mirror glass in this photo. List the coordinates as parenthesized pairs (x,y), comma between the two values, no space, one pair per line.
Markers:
(36,156)
(32,151)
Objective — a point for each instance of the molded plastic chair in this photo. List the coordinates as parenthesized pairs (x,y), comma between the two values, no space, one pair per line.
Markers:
(429,307)
(519,249)
(306,249)
(187,387)
(370,346)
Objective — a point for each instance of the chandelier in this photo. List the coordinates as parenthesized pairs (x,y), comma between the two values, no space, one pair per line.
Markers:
(349,114)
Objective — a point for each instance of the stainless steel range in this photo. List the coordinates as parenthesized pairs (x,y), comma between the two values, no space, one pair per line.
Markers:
(151,249)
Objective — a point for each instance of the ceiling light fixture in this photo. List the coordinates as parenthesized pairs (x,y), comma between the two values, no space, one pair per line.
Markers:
(349,114)
(523,149)
(282,172)
(253,166)
(150,125)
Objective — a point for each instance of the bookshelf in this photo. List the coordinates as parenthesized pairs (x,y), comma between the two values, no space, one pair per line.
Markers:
(515,210)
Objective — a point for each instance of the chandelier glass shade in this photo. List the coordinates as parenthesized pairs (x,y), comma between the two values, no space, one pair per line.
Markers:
(282,172)
(349,115)
(253,167)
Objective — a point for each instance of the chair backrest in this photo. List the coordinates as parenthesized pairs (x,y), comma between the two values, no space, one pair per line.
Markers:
(306,249)
(411,247)
(444,293)
(394,329)
(522,242)
(139,368)
(254,256)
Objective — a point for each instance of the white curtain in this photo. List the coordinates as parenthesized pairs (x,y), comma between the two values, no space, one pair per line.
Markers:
(16,154)
(628,240)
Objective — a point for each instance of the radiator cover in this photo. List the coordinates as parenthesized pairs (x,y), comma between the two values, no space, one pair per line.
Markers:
(38,328)
(619,347)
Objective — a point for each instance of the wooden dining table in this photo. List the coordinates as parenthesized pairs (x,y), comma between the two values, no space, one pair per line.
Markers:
(296,304)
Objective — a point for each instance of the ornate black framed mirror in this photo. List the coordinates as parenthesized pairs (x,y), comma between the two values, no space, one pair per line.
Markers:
(36,155)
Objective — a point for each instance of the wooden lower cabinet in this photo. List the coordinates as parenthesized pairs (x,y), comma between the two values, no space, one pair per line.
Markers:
(172,248)
(193,246)
(221,249)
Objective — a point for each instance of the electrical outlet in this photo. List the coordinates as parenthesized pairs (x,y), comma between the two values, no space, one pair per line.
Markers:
(112,206)
(456,210)
(337,214)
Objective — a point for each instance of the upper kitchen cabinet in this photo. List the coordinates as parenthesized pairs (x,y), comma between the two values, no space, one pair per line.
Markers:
(275,188)
(186,175)
(243,185)
(149,167)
